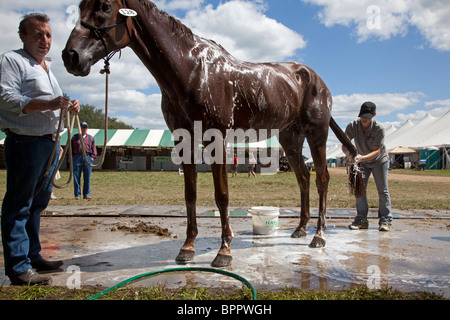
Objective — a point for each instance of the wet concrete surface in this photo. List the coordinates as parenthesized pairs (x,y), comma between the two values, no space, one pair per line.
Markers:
(99,242)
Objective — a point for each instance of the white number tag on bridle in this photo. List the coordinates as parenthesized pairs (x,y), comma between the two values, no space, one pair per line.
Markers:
(128,12)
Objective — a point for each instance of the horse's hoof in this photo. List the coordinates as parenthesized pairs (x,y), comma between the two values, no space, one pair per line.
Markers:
(317,242)
(222,261)
(185,256)
(298,234)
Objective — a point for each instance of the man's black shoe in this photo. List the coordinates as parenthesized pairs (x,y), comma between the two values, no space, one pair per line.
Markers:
(44,265)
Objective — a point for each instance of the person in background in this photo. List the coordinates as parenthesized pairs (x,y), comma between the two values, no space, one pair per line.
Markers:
(373,159)
(79,163)
(31,104)
(234,166)
(251,165)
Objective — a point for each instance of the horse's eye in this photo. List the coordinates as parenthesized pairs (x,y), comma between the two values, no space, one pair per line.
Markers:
(106,7)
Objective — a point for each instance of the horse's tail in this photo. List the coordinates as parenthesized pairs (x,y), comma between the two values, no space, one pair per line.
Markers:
(355,177)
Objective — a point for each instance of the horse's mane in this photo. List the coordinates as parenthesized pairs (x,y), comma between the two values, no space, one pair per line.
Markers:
(177,26)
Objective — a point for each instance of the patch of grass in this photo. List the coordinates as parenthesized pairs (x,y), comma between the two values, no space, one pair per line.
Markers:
(167,188)
(185,294)
(44,293)
(433,173)
(281,190)
(359,293)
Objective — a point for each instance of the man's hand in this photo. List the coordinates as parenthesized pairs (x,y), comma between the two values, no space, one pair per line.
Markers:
(359,158)
(74,106)
(38,105)
(58,103)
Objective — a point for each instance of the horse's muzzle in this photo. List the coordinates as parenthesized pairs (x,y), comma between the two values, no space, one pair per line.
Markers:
(72,63)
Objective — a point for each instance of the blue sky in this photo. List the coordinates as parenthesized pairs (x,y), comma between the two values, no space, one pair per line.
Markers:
(400,61)
(397,65)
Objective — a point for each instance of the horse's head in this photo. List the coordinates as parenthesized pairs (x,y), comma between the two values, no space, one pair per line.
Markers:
(104,27)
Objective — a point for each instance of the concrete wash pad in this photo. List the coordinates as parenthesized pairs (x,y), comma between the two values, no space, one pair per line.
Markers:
(103,246)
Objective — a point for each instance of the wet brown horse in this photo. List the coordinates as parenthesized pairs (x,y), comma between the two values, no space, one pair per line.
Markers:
(201,81)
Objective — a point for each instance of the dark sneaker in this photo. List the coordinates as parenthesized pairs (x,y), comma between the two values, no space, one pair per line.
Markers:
(29,278)
(359,225)
(384,227)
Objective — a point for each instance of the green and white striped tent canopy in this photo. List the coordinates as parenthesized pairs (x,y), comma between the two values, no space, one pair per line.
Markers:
(129,138)
(123,138)
(146,139)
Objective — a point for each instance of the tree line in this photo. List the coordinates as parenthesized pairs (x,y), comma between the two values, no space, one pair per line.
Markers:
(96,118)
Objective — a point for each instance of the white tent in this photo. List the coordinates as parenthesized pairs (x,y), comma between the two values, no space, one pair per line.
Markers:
(411,137)
(398,133)
(390,130)
(401,150)
(437,135)
(336,150)
(429,132)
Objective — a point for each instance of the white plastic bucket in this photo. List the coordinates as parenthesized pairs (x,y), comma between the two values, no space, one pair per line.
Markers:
(265,220)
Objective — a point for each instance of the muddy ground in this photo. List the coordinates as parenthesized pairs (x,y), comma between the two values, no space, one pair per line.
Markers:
(414,256)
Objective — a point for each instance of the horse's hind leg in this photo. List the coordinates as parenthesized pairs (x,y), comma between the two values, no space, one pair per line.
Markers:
(315,121)
(187,252)
(220,175)
(292,140)
(318,152)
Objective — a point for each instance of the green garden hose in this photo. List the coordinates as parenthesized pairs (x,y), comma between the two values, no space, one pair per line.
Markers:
(149,274)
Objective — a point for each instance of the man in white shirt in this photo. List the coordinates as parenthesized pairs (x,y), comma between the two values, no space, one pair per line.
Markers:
(31,103)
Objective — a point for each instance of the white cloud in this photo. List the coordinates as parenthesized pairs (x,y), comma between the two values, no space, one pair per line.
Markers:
(431,18)
(240,26)
(384,19)
(420,114)
(347,107)
(138,109)
(9,24)
(128,74)
(144,122)
(24,6)
(243,29)
(178,4)
(444,103)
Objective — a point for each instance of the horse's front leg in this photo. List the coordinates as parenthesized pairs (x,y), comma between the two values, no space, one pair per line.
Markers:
(292,140)
(187,252)
(220,175)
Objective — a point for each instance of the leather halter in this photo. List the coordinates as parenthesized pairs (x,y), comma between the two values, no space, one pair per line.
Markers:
(99,34)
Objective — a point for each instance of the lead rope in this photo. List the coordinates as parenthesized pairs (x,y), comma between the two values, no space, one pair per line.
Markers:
(68,147)
(107,72)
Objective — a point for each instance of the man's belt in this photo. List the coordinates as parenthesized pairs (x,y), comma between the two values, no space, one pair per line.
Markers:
(47,136)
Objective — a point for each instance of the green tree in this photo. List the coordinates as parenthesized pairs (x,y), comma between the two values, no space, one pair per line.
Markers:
(96,118)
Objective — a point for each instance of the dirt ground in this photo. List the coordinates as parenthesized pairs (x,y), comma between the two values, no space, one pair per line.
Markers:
(145,228)
(400,177)
(107,250)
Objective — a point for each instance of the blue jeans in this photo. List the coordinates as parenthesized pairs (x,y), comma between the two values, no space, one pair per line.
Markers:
(380,175)
(26,160)
(80,166)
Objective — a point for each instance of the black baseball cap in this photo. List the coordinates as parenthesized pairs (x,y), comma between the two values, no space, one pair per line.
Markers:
(368,110)
(84,125)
